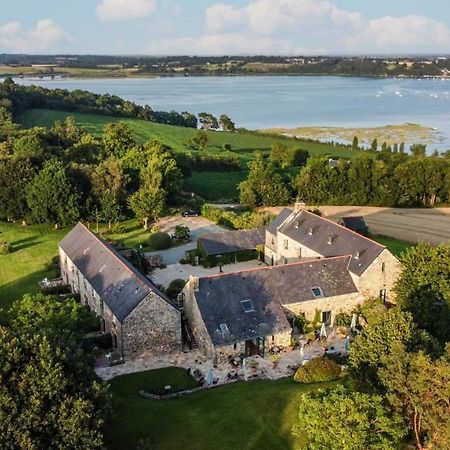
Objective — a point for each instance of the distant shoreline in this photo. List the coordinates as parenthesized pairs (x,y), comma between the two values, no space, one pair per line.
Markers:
(65,76)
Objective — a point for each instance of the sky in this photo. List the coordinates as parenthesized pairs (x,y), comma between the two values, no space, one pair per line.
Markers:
(239,27)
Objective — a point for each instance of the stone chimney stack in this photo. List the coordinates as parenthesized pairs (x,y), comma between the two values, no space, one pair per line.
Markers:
(299,206)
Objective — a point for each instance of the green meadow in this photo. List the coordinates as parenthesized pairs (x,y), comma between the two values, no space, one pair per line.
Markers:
(213,186)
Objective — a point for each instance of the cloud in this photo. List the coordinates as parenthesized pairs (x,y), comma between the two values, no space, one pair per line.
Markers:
(226,43)
(268,16)
(45,35)
(118,10)
(406,34)
(10,28)
(317,24)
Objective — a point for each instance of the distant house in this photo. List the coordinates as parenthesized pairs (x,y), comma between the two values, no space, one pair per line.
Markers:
(139,317)
(354,223)
(247,312)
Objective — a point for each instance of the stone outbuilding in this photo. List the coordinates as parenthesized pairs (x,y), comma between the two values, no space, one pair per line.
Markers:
(246,313)
(140,318)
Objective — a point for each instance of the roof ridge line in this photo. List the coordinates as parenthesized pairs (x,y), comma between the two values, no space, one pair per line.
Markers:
(256,269)
(345,228)
(122,262)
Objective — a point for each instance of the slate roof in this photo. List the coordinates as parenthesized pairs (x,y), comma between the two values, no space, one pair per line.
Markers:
(121,286)
(355,223)
(219,297)
(273,226)
(330,239)
(232,241)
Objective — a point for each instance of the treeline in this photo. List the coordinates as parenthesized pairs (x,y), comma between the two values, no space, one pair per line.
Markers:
(62,174)
(17,99)
(388,179)
(229,64)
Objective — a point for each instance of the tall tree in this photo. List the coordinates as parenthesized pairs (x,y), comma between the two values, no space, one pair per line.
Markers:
(423,288)
(358,421)
(109,184)
(15,175)
(51,197)
(226,123)
(117,139)
(263,186)
(148,202)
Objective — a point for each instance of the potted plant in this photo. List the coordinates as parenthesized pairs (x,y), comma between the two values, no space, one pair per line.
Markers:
(275,360)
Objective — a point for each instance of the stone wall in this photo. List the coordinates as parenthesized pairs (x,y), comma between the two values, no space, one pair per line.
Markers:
(293,253)
(152,328)
(340,303)
(195,319)
(381,274)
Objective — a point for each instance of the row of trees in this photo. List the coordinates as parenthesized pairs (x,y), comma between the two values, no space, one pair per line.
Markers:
(17,99)
(388,179)
(399,366)
(62,174)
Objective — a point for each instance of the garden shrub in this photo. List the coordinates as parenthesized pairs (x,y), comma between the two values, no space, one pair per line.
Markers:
(301,323)
(103,341)
(55,290)
(318,370)
(160,241)
(174,288)
(5,248)
(343,320)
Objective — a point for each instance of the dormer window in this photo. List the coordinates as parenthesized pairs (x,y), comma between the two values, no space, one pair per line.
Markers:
(317,292)
(247,306)
(224,329)
(330,239)
(297,224)
(310,231)
(357,255)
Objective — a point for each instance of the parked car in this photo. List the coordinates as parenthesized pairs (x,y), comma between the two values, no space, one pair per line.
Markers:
(191,213)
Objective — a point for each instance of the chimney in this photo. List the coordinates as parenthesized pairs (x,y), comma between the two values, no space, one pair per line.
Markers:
(194,283)
(298,206)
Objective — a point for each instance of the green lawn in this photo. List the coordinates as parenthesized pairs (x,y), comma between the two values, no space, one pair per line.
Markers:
(244,415)
(213,186)
(395,246)
(33,248)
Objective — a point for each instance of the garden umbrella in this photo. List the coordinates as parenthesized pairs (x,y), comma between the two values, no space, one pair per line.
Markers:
(347,343)
(353,324)
(302,354)
(323,331)
(209,377)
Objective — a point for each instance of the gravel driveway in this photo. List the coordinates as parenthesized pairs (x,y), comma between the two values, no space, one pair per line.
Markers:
(198,227)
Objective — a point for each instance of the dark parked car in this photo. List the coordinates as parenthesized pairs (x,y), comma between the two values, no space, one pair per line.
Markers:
(191,213)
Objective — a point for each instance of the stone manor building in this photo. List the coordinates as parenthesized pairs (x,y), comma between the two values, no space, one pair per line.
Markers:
(140,318)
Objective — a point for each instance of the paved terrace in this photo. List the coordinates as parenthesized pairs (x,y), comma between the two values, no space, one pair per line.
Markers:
(286,366)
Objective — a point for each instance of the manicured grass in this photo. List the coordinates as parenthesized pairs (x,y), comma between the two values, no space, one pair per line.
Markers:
(33,248)
(395,246)
(21,270)
(243,415)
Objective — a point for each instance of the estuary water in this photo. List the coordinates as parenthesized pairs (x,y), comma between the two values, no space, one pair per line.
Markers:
(287,101)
